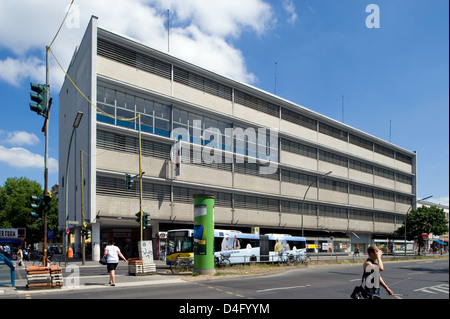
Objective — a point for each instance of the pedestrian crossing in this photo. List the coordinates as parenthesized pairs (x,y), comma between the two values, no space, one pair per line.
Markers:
(434,289)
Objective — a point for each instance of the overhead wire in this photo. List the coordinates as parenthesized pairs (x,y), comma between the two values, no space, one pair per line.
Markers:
(65,17)
(86,98)
(73,83)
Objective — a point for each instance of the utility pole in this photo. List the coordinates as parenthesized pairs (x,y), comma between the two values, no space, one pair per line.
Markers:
(83,223)
(46,125)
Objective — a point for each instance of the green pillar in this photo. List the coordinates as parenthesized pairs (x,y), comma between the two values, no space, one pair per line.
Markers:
(204,234)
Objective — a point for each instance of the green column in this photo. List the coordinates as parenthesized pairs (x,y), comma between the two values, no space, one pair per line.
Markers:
(204,234)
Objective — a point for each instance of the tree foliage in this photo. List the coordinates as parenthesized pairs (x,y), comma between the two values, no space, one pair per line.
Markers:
(424,220)
(15,210)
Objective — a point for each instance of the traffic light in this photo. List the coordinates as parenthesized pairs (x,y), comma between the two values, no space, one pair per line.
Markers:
(86,233)
(40,97)
(36,205)
(46,201)
(145,220)
(129,181)
(138,219)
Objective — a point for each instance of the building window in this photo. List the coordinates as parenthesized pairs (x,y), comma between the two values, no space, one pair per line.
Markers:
(297,148)
(332,131)
(333,158)
(384,151)
(132,58)
(299,119)
(201,83)
(121,109)
(361,142)
(256,103)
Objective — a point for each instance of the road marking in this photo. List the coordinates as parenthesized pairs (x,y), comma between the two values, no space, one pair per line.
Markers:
(220,290)
(434,289)
(282,288)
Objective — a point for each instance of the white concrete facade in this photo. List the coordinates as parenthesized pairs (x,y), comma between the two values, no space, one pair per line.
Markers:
(372,184)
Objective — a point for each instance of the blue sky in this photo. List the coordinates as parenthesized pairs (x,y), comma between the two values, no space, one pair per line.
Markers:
(394,78)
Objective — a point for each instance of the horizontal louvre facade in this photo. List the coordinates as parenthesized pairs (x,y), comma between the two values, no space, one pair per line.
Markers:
(264,158)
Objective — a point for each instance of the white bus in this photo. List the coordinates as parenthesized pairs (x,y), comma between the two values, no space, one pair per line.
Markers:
(238,247)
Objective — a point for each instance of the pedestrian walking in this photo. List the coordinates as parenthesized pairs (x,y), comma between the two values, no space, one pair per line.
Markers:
(373,266)
(19,257)
(112,254)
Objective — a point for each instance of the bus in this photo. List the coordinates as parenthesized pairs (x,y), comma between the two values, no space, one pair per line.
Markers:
(239,247)
(180,243)
(395,247)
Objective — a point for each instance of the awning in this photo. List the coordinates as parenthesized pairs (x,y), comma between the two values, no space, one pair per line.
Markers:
(440,242)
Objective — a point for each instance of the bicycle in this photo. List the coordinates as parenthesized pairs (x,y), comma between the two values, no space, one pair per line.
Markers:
(285,258)
(223,260)
(39,257)
(303,258)
(181,265)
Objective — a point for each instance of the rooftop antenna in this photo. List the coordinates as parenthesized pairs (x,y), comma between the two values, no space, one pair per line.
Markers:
(276,64)
(168,30)
(342,109)
(390,131)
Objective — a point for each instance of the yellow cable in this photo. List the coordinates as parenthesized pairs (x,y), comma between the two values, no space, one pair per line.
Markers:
(90,102)
(56,35)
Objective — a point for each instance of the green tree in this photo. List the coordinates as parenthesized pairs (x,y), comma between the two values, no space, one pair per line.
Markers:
(424,220)
(15,211)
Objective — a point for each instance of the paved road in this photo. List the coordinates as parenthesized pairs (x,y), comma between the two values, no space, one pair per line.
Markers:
(426,279)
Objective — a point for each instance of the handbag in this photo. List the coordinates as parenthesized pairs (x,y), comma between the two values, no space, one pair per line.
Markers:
(103,260)
(358,293)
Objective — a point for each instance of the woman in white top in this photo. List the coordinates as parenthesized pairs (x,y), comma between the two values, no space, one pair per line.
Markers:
(112,254)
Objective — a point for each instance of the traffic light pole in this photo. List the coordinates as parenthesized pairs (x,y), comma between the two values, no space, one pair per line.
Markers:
(83,227)
(140,181)
(46,125)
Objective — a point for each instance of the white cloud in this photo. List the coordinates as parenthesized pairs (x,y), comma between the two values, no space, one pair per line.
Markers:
(18,157)
(221,18)
(441,200)
(289,6)
(19,138)
(201,31)
(15,71)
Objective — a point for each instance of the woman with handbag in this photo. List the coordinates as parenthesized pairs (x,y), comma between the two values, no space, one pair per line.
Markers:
(112,254)
(373,266)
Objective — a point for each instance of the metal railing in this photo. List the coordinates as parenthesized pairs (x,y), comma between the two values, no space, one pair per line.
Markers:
(5,279)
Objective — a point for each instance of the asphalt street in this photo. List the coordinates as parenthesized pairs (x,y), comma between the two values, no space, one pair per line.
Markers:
(421,279)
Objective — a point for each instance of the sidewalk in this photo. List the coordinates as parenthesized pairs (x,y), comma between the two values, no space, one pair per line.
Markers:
(73,280)
(99,280)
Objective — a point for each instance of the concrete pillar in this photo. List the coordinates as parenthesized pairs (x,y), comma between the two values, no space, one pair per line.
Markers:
(77,241)
(96,241)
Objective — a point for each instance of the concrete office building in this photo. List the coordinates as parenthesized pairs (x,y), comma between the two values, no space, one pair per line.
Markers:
(259,158)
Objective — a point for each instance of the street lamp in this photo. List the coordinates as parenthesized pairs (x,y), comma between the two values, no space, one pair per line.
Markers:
(303,201)
(76,123)
(406,216)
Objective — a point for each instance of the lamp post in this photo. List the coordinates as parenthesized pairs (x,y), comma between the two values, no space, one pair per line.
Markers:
(304,196)
(406,216)
(76,123)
